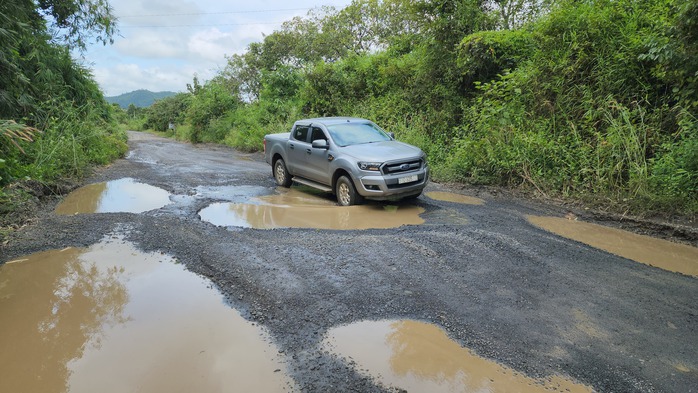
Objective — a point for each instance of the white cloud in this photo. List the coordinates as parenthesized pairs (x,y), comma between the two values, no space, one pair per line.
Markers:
(211,44)
(200,35)
(151,46)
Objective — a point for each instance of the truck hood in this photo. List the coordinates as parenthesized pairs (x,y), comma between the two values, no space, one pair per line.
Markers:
(382,151)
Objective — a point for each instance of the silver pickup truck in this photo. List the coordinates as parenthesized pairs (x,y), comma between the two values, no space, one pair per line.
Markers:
(350,157)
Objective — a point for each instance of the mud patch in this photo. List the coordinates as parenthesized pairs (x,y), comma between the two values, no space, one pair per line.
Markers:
(297,209)
(113,319)
(419,357)
(455,198)
(651,251)
(123,195)
(229,193)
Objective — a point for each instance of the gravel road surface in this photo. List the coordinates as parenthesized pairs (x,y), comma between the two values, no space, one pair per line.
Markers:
(511,292)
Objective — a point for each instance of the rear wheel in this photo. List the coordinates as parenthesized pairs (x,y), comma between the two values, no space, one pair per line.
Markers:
(281,173)
(346,192)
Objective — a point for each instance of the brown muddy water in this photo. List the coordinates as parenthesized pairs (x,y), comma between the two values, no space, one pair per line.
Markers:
(420,357)
(113,319)
(293,208)
(455,198)
(123,195)
(659,253)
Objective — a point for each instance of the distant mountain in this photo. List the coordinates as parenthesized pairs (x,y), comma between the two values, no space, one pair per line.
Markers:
(139,98)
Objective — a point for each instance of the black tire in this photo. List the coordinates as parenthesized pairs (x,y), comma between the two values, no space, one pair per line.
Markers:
(281,174)
(346,192)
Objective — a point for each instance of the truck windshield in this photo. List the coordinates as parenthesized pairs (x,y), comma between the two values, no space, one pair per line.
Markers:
(346,134)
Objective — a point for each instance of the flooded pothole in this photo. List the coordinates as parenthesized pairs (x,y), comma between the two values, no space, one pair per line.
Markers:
(294,208)
(113,319)
(659,253)
(455,198)
(419,357)
(123,195)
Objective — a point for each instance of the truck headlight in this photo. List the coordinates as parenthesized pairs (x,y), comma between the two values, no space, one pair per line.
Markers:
(370,166)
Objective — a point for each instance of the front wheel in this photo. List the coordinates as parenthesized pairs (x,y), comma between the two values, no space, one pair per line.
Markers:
(281,173)
(346,193)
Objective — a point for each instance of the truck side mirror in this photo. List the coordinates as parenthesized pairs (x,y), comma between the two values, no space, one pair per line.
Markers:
(320,144)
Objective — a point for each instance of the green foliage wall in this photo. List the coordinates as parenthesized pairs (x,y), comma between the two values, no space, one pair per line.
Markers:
(586,115)
(43,90)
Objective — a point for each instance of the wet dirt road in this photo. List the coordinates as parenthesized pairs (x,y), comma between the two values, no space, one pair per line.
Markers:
(528,309)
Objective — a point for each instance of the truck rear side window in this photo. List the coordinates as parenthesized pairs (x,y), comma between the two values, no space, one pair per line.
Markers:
(301,133)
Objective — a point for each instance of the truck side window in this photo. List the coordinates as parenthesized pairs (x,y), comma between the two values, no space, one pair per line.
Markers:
(301,133)
(317,134)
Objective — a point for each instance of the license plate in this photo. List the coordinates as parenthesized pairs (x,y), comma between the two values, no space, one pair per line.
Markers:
(407,179)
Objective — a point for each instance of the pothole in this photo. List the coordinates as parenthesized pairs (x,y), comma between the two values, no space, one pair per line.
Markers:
(659,253)
(229,193)
(115,319)
(419,357)
(455,198)
(123,195)
(293,208)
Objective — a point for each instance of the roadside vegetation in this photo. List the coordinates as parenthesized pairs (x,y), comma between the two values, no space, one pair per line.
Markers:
(592,100)
(54,121)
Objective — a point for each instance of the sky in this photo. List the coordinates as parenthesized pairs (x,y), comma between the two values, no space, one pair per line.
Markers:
(162,44)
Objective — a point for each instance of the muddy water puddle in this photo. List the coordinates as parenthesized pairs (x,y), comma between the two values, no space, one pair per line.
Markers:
(113,319)
(644,249)
(295,208)
(123,195)
(455,198)
(419,357)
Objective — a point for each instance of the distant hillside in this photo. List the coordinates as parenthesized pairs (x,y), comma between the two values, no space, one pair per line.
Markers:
(139,98)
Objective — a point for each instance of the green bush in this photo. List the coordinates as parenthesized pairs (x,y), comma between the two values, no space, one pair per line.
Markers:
(162,113)
(209,103)
(251,122)
(484,55)
(675,167)
(74,139)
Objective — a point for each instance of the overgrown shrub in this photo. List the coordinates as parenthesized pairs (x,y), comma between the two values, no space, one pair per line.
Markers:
(484,55)
(162,113)
(207,104)
(73,140)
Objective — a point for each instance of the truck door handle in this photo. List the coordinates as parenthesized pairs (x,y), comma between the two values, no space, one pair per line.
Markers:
(308,151)
(291,145)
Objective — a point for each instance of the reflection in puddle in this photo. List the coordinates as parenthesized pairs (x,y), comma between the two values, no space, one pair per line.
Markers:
(419,357)
(644,249)
(456,198)
(113,319)
(123,195)
(296,209)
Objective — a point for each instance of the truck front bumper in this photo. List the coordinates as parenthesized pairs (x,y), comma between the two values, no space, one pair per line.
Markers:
(380,187)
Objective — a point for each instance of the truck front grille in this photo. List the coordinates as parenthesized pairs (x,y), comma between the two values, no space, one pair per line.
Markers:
(399,167)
